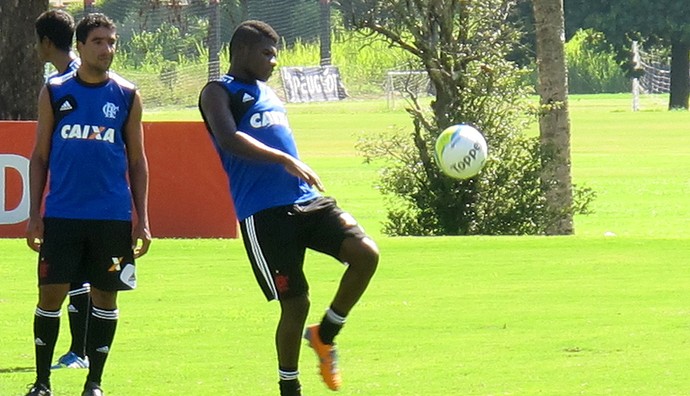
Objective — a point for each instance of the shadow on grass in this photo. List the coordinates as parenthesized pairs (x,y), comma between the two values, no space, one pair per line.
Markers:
(10,370)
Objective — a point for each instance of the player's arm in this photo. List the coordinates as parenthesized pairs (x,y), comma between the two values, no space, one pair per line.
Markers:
(38,169)
(215,103)
(138,177)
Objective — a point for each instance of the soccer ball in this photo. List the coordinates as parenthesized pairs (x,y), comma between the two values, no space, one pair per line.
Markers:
(461,151)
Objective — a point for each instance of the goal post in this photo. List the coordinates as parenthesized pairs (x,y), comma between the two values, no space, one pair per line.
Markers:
(405,83)
(655,74)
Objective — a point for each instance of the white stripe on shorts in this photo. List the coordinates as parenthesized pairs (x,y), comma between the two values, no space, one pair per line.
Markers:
(259,256)
(85,289)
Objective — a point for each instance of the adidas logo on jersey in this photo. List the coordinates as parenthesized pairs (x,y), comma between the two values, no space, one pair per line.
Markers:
(247,98)
(66,106)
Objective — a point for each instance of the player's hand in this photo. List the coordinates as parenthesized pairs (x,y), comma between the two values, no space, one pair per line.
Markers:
(298,168)
(141,240)
(34,233)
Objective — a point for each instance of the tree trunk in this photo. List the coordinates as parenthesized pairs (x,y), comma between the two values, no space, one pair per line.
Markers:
(325,32)
(554,123)
(680,75)
(21,72)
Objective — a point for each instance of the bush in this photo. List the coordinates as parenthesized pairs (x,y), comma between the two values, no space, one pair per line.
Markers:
(474,83)
(592,65)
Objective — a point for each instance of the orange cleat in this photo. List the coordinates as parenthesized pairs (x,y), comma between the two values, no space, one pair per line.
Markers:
(328,358)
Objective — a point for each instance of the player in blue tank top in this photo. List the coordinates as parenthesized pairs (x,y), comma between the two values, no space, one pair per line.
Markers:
(279,206)
(54,34)
(257,186)
(89,137)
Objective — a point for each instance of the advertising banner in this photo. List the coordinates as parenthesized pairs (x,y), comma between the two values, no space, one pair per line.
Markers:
(312,84)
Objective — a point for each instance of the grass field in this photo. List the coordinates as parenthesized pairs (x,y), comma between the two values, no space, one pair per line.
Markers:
(585,314)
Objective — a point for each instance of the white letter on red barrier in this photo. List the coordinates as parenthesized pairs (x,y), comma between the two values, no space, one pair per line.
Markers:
(21,212)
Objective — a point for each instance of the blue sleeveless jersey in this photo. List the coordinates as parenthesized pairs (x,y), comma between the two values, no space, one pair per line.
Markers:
(254,185)
(88,161)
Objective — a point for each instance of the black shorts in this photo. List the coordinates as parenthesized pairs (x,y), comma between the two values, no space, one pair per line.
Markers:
(276,240)
(96,251)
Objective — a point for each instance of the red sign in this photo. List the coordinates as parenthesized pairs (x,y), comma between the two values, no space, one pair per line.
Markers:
(188,190)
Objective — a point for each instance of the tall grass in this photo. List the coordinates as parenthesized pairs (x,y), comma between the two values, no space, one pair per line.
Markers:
(362,62)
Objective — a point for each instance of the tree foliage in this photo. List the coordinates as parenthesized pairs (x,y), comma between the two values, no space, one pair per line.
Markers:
(592,65)
(463,46)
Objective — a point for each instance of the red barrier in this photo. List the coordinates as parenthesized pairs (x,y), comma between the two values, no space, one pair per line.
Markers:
(188,190)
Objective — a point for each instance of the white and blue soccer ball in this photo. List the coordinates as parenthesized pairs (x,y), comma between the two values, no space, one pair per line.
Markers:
(461,151)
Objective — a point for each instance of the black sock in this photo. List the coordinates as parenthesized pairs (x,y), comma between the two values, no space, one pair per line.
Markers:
(102,325)
(46,328)
(330,325)
(79,307)
(289,382)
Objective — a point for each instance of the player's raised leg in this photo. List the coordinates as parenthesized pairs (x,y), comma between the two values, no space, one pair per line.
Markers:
(361,256)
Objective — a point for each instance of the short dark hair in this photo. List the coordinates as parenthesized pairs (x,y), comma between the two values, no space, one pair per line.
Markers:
(57,26)
(91,22)
(251,32)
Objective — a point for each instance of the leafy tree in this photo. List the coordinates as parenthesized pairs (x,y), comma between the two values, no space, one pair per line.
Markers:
(592,65)
(463,46)
(661,22)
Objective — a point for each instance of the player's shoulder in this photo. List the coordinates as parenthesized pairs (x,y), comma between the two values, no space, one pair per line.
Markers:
(73,65)
(235,84)
(121,81)
(57,80)
(226,79)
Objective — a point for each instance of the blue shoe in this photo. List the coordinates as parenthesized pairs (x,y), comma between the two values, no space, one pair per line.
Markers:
(72,360)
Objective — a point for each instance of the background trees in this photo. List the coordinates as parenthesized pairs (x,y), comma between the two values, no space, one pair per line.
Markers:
(21,73)
(662,22)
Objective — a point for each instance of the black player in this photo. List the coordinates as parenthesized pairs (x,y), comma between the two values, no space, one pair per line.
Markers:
(280,209)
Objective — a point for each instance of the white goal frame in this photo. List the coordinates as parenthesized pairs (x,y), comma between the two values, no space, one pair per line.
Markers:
(405,82)
(656,77)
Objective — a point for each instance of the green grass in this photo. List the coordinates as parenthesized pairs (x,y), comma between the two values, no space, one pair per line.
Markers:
(583,314)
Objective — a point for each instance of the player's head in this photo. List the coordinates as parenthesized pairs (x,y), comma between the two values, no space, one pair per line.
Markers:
(253,50)
(91,22)
(96,40)
(56,27)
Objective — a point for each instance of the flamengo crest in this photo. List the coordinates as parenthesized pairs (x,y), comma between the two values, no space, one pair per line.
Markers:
(110,110)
